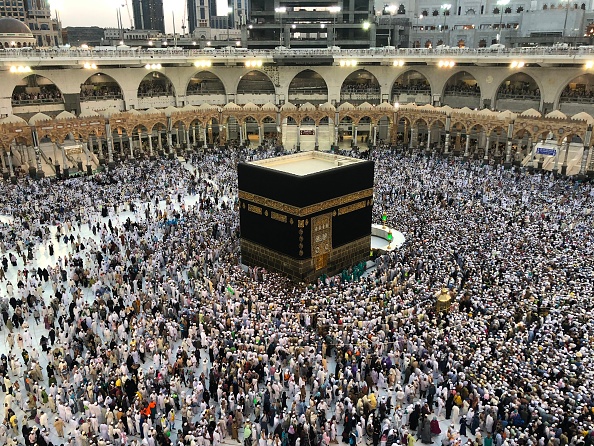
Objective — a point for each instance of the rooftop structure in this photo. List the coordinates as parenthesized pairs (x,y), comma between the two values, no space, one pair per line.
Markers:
(307,163)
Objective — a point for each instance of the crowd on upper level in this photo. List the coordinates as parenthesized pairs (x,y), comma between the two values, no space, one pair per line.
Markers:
(38,94)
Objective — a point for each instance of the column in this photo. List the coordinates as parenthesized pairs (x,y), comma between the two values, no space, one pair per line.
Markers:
(194,136)
(354,142)
(405,133)
(299,136)
(533,159)
(64,162)
(109,140)
(122,144)
(139,144)
(240,135)
(245,133)
(584,162)
(317,143)
(159,141)
(188,146)
(10,166)
(169,142)
(467,147)
(428,148)
(375,135)
(557,156)
(510,132)
(279,129)
(2,161)
(336,124)
(565,158)
(448,136)
(87,152)
(260,134)
(39,170)
(413,133)
(179,135)
(487,148)
(150,141)
(204,130)
(90,145)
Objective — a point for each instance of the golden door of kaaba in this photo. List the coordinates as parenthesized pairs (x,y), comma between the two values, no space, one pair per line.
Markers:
(321,240)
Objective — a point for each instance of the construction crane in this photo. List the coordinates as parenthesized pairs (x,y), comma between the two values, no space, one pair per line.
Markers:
(127,5)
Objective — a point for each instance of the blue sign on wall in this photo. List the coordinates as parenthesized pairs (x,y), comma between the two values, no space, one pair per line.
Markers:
(547,151)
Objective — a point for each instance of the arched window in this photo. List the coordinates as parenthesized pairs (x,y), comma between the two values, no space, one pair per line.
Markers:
(545,7)
(435,13)
(496,11)
(520,9)
(508,10)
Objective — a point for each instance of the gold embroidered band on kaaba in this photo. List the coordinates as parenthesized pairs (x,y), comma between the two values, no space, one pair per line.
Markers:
(308,210)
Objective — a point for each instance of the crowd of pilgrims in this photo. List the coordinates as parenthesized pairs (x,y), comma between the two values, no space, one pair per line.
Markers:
(148,330)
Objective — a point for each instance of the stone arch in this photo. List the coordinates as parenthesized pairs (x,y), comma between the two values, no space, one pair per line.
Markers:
(155,84)
(255,82)
(411,84)
(308,86)
(462,90)
(458,125)
(360,86)
(205,83)
(248,118)
(518,92)
(307,120)
(100,86)
(158,125)
(36,89)
(577,94)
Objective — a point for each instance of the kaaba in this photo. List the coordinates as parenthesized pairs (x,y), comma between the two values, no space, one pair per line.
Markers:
(305,214)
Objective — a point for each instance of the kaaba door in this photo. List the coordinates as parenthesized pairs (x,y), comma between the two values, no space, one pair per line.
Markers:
(321,240)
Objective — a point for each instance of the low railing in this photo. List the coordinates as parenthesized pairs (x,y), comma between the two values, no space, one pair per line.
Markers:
(412,92)
(158,94)
(577,99)
(101,98)
(203,92)
(529,97)
(37,101)
(468,94)
(177,52)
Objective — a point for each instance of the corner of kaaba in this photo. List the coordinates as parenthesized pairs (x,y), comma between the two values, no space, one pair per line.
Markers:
(305,215)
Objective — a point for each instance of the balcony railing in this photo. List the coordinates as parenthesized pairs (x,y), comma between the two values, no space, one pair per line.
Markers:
(465,93)
(577,99)
(520,96)
(105,97)
(172,53)
(37,101)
